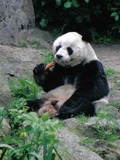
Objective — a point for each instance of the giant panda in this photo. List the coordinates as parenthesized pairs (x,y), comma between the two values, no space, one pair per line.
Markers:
(75,84)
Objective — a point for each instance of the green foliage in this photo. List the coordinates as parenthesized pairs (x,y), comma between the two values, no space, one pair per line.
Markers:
(48,57)
(115,15)
(33,43)
(23,44)
(69,4)
(82,119)
(107,126)
(104,127)
(35,137)
(87,140)
(103,17)
(30,135)
(24,88)
(115,103)
(110,72)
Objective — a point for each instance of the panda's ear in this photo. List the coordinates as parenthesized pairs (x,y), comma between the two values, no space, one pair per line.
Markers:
(87,36)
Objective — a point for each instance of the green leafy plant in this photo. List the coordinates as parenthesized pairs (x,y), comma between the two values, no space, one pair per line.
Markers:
(35,137)
(103,18)
(87,140)
(107,126)
(23,44)
(24,88)
(82,118)
(110,72)
(115,13)
(35,43)
(48,57)
(69,4)
(31,136)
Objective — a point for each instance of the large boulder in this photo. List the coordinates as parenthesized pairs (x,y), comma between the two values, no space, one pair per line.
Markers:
(15,62)
(84,139)
(72,149)
(16,18)
(19,61)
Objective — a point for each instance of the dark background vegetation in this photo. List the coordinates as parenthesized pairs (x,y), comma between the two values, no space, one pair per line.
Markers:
(100,16)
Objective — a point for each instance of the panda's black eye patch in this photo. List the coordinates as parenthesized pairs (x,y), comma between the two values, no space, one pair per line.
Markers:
(70,51)
(58,47)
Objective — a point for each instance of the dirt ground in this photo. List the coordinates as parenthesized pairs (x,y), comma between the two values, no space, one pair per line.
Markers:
(109,55)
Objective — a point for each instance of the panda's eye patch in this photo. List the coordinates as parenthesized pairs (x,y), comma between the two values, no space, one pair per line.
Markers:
(58,47)
(70,51)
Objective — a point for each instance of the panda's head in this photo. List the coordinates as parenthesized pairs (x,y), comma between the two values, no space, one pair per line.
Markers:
(71,49)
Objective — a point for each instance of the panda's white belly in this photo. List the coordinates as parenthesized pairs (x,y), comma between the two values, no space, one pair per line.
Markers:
(62,92)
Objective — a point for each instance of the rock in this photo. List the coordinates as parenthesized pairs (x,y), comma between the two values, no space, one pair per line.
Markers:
(4,89)
(15,62)
(110,151)
(118,121)
(16,18)
(71,149)
(101,140)
(86,129)
(43,38)
(5,129)
(107,109)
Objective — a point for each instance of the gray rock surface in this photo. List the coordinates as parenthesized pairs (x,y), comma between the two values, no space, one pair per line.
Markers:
(72,148)
(72,141)
(15,62)
(19,62)
(16,18)
(5,129)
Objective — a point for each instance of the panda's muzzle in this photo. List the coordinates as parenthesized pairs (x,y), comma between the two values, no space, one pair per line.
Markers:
(59,56)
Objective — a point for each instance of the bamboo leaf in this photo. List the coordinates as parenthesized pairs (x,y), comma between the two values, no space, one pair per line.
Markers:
(67,4)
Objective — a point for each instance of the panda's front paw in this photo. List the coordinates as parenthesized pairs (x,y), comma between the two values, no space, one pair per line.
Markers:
(39,69)
(39,74)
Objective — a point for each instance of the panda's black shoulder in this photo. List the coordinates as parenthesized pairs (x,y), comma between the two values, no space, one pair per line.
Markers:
(93,67)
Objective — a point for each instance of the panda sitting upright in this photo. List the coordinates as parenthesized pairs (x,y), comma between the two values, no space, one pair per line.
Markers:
(77,81)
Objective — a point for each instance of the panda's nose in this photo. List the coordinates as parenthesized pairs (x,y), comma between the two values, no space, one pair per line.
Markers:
(59,56)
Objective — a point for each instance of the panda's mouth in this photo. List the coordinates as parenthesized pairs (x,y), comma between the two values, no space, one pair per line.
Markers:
(64,62)
(59,60)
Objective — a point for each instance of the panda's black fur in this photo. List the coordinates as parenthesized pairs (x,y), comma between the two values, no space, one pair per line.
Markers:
(86,75)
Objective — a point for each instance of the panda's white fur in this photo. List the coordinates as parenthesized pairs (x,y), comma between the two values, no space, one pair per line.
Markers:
(81,50)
